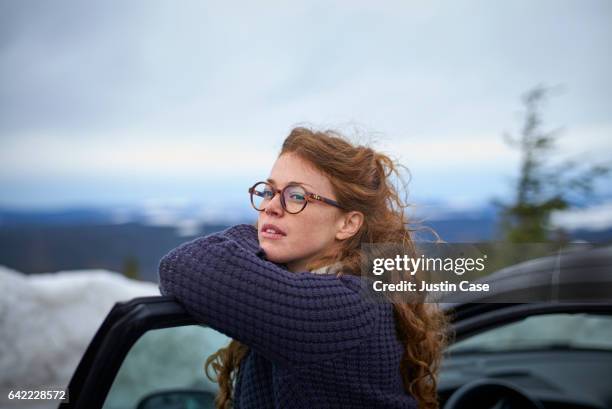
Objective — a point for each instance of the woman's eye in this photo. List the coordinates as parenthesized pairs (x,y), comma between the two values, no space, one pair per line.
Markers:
(298,197)
(268,193)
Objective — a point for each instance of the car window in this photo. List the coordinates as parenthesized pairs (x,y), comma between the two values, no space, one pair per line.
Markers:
(573,331)
(163,360)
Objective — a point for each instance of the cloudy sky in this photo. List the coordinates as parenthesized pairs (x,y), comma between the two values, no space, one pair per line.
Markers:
(124,102)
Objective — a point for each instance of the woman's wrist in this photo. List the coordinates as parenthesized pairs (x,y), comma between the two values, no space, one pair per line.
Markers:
(245,235)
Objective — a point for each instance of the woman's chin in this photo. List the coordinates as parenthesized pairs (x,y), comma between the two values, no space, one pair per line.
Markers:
(274,256)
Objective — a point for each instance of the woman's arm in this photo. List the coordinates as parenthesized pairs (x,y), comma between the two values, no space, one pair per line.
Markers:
(291,318)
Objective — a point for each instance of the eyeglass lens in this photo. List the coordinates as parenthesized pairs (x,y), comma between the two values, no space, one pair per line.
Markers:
(293,201)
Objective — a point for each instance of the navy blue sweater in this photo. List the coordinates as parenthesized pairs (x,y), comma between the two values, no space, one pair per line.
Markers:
(315,342)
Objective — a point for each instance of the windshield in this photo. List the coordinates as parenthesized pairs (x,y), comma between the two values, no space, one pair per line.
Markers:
(543,332)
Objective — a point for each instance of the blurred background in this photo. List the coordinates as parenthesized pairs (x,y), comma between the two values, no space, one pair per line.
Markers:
(127,128)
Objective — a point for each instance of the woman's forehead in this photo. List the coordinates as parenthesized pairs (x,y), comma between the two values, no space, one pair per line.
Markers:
(292,169)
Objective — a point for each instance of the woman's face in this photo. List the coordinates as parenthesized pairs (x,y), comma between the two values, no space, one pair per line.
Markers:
(308,233)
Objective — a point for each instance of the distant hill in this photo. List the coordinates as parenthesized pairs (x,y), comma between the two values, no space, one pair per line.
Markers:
(37,242)
(62,217)
(45,248)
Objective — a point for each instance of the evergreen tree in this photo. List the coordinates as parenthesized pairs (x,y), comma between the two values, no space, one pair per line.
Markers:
(130,268)
(542,187)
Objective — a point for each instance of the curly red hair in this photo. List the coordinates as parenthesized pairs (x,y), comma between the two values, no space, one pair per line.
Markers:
(361,179)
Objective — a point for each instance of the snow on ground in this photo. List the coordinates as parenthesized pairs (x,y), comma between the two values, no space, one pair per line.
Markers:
(47,321)
(592,218)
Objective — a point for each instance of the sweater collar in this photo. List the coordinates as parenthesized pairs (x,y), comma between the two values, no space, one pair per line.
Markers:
(328,269)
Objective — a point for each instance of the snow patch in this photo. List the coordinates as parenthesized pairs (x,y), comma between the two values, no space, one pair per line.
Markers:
(47,321)
(595,218)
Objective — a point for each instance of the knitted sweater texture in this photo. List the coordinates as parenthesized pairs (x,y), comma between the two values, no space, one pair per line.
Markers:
(315,342)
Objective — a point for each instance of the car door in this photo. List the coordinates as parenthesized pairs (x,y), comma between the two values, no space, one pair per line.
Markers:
(148,353)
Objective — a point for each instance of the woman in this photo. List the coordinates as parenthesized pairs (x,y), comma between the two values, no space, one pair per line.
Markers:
(287,290)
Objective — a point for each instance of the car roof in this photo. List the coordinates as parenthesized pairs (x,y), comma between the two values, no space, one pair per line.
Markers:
(571,276)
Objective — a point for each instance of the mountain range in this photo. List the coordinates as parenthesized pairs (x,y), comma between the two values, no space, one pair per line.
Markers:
(133,241)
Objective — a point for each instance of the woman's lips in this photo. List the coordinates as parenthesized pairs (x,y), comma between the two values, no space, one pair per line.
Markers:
(271,231)
(273,236)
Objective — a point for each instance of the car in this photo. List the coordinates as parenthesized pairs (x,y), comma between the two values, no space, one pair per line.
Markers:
(556,353)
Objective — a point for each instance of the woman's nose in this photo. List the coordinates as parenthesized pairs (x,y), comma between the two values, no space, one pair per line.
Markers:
(275,206)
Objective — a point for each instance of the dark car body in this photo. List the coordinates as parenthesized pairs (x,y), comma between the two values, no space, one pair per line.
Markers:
(555,373)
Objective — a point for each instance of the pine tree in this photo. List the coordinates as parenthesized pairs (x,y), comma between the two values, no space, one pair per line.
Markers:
(542,188)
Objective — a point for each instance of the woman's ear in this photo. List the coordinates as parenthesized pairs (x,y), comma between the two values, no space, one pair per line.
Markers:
(350,223)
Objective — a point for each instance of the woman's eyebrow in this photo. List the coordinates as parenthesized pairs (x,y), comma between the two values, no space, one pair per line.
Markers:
(270,180)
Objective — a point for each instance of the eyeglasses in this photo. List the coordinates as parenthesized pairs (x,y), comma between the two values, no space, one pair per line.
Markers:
(293,197)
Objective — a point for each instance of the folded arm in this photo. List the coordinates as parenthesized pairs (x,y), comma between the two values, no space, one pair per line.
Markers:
(224,281)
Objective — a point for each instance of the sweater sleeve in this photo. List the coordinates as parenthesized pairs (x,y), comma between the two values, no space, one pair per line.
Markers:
(225,282)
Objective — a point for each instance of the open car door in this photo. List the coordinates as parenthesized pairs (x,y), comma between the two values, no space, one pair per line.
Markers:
(148,353)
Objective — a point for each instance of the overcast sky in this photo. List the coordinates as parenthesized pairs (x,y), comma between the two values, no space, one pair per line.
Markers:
(106,102)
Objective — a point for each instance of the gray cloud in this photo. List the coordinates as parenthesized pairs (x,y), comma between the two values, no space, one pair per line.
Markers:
(77,67)
(151,70)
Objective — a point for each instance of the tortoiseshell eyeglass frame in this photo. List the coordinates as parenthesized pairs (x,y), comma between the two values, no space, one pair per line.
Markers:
(309,196)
